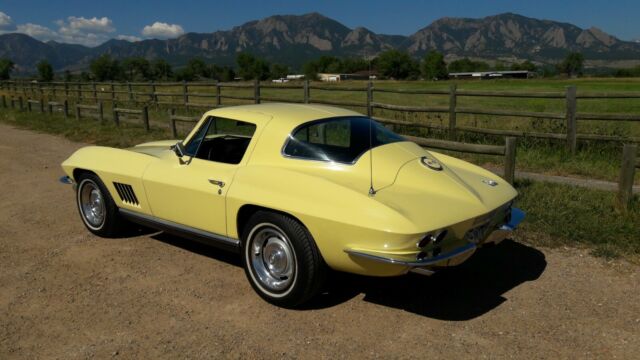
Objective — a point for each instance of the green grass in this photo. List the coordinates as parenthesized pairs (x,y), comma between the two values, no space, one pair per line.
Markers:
(564,215)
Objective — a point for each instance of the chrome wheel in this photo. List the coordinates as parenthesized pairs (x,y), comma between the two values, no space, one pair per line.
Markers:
(91,203)
(272,259)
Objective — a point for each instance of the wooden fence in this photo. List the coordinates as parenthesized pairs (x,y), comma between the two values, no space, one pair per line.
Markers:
(214,94)
(630,162)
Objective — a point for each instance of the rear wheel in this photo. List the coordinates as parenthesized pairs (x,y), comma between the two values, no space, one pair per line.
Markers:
(97,209)
(281,259)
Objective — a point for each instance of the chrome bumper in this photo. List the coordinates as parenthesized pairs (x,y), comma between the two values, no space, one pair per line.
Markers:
(424,266)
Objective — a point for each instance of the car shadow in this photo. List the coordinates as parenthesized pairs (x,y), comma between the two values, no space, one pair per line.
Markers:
(459,293)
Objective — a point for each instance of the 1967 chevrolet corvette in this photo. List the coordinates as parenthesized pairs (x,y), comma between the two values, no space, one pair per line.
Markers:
(297,189)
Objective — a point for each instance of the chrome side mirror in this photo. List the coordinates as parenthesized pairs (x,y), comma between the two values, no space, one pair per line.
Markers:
(179,149)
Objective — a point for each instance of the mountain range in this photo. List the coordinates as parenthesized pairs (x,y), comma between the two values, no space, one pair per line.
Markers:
(294,39)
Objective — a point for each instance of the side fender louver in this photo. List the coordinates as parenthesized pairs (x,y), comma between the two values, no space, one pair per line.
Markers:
(126,194)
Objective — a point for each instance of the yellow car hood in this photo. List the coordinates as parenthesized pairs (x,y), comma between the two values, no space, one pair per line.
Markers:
(154,148)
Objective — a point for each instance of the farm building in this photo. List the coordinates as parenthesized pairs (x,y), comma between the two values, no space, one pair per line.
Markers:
(518,74)
(362,75)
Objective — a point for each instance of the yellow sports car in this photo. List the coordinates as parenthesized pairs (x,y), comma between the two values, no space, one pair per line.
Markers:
(298,189)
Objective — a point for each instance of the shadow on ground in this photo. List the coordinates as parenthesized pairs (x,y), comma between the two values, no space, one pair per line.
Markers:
(456,294)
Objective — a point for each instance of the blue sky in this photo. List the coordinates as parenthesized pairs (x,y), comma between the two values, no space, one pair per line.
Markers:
(92,22)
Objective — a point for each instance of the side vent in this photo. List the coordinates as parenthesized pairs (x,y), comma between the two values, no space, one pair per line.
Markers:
(126,194)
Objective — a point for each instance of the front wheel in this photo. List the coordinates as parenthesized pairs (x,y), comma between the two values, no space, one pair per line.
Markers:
(281,259)
(97,209)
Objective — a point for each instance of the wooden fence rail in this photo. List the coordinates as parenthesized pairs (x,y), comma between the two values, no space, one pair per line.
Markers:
(173,119)
(142,113)
(168,93)
(98,109)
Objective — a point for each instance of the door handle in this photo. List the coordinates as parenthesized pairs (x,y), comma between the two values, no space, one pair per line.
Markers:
(217,182)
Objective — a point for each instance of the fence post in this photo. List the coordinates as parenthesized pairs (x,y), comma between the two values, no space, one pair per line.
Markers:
(4,101)
(50,108)
(95,91)
(28,105)
(453,102)
(571,118)
(79,88)
(77,113)
(172,123)
(256,91)
(42,108)
(510,159)
(130,90)
(113,94)
(65,109)
(20,104)
(627,172)
(66,90)
(145,117)
(369,98)
(306,91)
(116,118)
(185,93)
(100,111)
(154,97)
(218,94)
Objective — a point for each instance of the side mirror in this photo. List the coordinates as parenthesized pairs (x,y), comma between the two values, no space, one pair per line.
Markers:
(179,149)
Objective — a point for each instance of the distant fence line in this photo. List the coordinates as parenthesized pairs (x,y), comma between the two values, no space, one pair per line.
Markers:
(153,94)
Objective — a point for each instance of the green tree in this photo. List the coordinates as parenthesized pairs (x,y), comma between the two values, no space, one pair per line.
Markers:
(433,66)
(67,75)
(137,68)
(396,64)
(198,68)
(161,70)
(468,65)
(6,67)
(105,68)
(525,65)
(45,70)
(279,71)
(573,64)
(251,67)
(352,65)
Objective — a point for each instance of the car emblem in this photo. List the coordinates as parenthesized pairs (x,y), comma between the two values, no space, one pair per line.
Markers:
(431,163)
(490,182)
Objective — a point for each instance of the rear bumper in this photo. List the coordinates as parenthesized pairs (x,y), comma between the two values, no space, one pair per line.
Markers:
(454,257)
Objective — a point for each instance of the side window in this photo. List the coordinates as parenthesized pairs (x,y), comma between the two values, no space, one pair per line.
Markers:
(333,133)
(224,140)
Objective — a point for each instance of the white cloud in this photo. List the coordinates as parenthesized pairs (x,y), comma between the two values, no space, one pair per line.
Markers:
(6,23)
(129,38)
(162,30)
(38,31)
(82,24)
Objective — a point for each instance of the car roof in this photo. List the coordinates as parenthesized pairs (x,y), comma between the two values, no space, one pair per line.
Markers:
(286,114)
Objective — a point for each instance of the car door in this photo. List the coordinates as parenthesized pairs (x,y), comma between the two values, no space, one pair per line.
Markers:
(191,190)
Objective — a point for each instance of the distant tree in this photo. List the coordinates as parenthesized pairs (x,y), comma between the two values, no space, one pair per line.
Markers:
(352,65)
(161,69)
(323,64)
(6,67)
(199,68)
(525,65)
(105,68)
(251,67)
(633,72)
(137,68)
(67,75)
(226,73)
(279,71)
(396,64)
(573,64)
(184,74)
(45,70)
(433,66)
(468,65)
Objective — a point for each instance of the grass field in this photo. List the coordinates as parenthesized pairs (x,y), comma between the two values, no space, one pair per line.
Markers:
(598,160)
(556,214)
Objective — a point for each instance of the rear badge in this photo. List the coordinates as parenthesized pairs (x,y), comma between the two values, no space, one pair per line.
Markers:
(490,182)
(431,163)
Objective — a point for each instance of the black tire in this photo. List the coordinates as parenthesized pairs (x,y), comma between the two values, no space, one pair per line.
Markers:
(309,270)
(112,223)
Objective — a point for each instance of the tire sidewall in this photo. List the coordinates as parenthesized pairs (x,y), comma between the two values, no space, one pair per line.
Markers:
(84,182)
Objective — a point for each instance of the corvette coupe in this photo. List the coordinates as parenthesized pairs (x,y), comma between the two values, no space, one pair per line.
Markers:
(297,190)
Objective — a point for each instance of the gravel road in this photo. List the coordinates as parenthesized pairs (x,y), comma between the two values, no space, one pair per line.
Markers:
(67,294)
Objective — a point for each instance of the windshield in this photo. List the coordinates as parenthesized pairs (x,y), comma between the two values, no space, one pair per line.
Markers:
(341,139)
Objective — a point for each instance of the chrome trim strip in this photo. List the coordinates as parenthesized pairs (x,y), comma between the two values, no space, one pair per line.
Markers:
(66,180)
(418,263)
(179,229)
(422,271)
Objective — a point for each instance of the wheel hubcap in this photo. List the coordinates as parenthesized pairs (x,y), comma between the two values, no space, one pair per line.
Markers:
(92,204)
(272,259)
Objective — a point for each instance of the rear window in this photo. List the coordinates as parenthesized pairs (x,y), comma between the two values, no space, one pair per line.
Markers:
(342,139)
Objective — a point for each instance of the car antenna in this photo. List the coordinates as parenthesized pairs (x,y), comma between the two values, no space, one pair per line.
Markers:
(372,191)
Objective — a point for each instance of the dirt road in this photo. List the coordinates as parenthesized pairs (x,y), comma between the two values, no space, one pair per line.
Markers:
(67,294)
